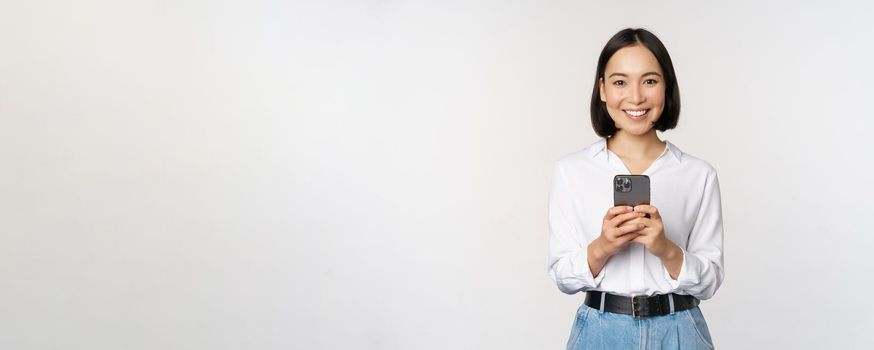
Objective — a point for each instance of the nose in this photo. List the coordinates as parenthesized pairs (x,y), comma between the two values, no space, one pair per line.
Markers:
(637,95)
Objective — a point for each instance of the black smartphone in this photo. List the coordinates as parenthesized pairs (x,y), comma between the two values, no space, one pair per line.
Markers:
(630,190)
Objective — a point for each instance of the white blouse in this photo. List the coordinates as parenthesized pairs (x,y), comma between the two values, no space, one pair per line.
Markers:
(683,188)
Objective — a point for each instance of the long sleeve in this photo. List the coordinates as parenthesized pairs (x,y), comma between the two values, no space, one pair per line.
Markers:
(702,271)
(568,261)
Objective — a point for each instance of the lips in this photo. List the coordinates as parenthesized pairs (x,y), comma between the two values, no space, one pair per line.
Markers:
(636,114)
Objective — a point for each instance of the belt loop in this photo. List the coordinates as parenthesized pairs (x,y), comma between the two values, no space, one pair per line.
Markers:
(603,296)
(671,301)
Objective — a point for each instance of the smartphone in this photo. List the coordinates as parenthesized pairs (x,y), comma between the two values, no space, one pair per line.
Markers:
(630,190)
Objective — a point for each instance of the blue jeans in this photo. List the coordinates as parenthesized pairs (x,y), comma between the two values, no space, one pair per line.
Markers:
(608,331)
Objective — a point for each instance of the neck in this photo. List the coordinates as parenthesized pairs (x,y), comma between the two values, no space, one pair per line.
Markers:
(635,146)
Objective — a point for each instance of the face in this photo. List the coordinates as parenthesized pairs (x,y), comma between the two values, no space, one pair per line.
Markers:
(633,88)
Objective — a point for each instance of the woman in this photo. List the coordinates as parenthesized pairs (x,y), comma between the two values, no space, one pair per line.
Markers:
(643,269)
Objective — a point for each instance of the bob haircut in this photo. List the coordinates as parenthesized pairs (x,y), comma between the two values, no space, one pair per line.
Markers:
(601,121)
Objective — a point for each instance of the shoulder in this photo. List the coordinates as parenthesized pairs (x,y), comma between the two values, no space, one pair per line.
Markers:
(698,163)
(694,164)
(581,157)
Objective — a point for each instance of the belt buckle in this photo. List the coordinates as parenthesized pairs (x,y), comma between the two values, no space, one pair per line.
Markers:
(635,301)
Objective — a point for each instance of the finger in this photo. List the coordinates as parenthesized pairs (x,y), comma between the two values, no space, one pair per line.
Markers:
(645,231)
(644,208)
(631,237)
(648,222)
(651,210)
(645,221)
(629,228)
(616,232)
(620,219)
(612,212)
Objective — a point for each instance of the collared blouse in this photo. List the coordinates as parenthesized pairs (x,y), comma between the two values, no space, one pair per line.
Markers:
(684,189)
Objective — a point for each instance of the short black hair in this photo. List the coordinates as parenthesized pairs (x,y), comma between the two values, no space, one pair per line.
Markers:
(601,121)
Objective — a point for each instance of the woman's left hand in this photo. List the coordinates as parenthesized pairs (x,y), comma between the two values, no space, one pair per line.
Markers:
(652,236)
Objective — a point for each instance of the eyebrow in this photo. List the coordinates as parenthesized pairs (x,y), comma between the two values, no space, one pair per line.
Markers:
(626,75)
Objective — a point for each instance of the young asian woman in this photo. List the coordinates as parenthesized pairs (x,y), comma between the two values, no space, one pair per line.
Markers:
(643,269)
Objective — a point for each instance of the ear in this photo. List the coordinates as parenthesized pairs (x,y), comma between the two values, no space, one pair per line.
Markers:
(601,90)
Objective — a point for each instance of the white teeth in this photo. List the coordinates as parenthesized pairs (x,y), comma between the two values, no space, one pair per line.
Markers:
(636,113)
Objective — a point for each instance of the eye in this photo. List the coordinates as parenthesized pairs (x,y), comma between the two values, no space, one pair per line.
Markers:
(619,82)
(650,82)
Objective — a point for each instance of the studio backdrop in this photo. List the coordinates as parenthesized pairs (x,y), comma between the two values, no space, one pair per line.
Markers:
(375,174)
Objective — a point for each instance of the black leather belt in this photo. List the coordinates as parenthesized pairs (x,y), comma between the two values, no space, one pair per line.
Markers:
(640,306)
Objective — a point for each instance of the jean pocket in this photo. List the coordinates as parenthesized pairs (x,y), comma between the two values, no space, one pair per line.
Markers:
(579,324)
(697,322)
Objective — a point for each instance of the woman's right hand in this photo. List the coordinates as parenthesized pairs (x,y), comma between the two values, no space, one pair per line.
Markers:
(617,229)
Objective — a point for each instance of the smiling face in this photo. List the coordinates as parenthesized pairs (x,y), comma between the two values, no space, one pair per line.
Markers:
(633,88)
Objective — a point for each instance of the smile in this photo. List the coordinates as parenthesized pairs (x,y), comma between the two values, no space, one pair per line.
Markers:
(636,114)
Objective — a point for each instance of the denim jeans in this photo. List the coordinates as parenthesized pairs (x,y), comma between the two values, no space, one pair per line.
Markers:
(594,329)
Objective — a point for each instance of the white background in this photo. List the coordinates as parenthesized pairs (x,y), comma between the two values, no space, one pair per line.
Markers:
(374,175)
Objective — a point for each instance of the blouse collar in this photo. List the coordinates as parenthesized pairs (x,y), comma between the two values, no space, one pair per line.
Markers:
(600,147)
